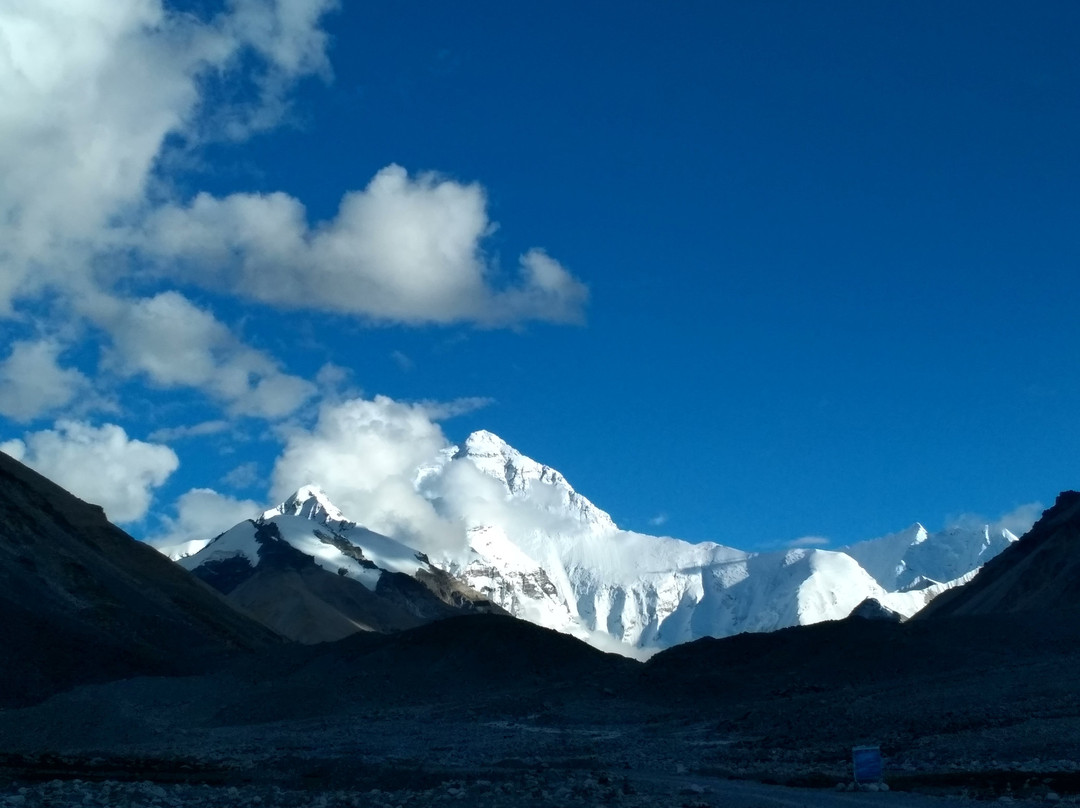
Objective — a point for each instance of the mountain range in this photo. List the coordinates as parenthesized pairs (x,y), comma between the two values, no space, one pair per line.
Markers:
(124,679)
(537,549)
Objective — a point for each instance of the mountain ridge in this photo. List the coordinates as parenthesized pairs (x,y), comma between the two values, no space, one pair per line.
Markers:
(538,549)
(82,601)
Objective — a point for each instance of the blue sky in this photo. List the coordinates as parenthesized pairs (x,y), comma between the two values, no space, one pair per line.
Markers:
(746,272)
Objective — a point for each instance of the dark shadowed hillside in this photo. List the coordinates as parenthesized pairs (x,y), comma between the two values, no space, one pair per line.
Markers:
(289,592)
(461,662)
(81,601)
(1039,573)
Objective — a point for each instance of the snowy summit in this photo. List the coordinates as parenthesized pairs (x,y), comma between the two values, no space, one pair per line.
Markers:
(541,551)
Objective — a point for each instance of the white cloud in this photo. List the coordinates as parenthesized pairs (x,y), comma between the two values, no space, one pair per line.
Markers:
(465,495)
(89,92)
(442,410)
(176,344)
(404,363)
(659,520)
(97,99)
(98,464)
(201,515)
(172,433)
(405,249)
(243,476)
(365,454)
(808,541)
(1018,521)
(32,383)
(331,378)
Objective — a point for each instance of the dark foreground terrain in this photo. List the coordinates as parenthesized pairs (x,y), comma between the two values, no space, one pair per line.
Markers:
(486,710)
(126,682)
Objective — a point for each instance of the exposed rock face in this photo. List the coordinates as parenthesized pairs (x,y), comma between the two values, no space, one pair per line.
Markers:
(81,601)
(1039,573)
(871,609)
(313,576)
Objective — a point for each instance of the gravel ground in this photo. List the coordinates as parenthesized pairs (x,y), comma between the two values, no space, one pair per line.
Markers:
(428,723)
(422,757)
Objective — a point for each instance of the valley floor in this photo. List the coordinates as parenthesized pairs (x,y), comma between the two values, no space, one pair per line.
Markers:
(489,712)
(569,754)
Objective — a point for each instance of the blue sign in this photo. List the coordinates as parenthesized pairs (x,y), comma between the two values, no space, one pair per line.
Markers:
(867,760)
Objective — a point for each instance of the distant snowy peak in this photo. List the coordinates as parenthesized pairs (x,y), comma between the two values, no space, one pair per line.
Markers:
(915,557)
(523,477)
(537,549)
(310,502)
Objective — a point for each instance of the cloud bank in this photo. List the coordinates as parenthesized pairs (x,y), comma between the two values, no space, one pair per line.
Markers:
(114,272)
(102,103)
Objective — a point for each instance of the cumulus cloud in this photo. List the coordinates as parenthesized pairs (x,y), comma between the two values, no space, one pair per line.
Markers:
(90,91)
(388,465)
(405,249)
(98,101)
(176,344)
(101,465)
(32,383)
(90,94)
(201,515)
(366,454)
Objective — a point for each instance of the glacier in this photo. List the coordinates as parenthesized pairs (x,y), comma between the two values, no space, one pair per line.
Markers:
(543,552)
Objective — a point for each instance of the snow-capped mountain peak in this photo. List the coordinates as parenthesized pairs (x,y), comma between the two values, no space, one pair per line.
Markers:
(309,502)
(526,479)
(543,552)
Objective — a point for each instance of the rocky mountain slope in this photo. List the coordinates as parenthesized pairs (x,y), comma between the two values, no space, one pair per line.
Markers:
(81,601)
(1040,574)
(312,575)
(541,551)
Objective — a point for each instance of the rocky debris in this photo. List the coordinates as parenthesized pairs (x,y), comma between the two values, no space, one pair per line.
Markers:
(538,789)
(871,609)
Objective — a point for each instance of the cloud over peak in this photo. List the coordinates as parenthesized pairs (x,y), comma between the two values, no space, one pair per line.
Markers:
(366,453)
